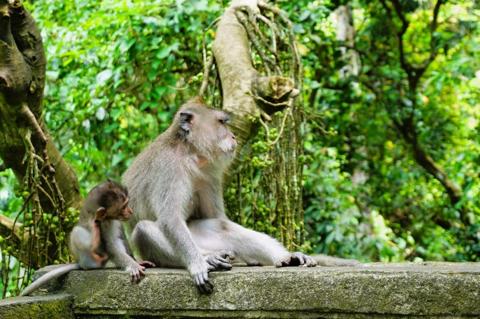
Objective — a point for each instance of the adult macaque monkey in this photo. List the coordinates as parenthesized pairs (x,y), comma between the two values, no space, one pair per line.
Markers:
(98,235)
(176,191)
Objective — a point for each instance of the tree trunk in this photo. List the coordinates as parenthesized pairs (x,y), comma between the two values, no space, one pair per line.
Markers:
(252,96)
(406,125)
(345,32)
(25,145)
(233,60)
(421,156)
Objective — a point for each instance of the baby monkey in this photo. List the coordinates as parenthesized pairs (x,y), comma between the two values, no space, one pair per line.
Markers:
(98,236)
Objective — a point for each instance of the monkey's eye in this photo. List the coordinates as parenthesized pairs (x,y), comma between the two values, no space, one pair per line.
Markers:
(224,120)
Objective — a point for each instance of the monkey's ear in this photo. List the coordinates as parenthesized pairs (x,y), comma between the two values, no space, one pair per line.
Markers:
(101,213)
(186,118)
(196,100)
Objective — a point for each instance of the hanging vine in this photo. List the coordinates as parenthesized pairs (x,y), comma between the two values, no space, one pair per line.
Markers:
(41,232)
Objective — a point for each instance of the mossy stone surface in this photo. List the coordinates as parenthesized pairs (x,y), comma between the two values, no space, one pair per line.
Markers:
(37,307)
(389,291)
(434,290)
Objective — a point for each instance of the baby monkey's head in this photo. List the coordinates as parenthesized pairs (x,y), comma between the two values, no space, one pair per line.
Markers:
(112,202)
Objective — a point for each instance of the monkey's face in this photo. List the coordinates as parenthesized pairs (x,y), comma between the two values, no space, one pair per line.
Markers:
(118,209)
(226,139)
(123,212)
(207,130)
(112,201)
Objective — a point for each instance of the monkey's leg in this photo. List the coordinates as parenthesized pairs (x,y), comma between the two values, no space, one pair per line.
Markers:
(146,235)
(171,245)
(81,245)
(152,244)
(251,246)
(217,234)
(115,247)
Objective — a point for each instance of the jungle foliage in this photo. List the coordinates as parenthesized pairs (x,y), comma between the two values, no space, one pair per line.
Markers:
(390,154)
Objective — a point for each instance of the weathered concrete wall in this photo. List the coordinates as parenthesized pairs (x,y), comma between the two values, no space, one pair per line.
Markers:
(432,290)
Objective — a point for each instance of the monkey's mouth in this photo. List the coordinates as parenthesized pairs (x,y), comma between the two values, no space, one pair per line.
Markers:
(228,145)
(125,217)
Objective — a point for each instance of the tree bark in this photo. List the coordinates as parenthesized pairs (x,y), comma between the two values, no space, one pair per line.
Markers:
(239,78)
(345,33)
(251,96)
(22,81)
(233,60)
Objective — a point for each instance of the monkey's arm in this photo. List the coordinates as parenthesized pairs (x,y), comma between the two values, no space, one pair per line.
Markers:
(96,250)
(82,247)
(116,249)
(179,237)
(49,276)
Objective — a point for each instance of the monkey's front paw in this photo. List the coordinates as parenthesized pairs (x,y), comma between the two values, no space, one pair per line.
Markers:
(136,271)
(199,274)
(220,261)
(296,259)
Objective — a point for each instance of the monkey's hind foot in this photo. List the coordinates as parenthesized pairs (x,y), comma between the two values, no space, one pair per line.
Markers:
(297,259)
(220,261)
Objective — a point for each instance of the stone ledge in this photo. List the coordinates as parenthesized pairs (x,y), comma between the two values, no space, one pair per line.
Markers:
(406,290)
(38,307)
(381,290)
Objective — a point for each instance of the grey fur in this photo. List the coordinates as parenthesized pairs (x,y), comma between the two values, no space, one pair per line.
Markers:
(51,275)
(82,242)
(176,192)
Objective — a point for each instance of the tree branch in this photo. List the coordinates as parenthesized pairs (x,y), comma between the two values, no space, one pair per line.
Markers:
(406,125)
(414,73)
(11,231)
(433,28)
(9,227)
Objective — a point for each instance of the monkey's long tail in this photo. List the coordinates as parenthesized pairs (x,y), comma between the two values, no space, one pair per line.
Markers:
(51,275)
